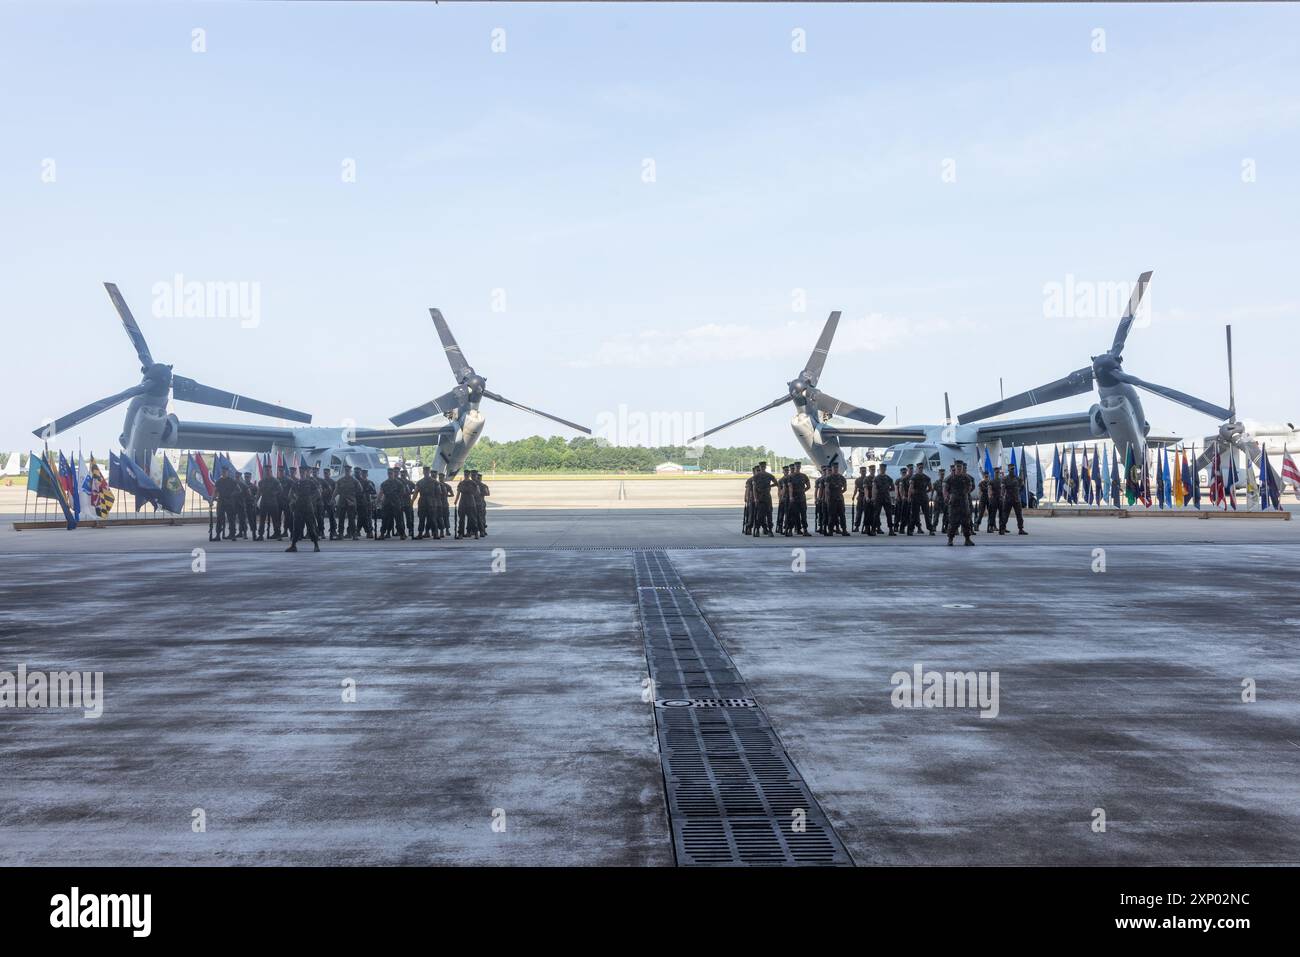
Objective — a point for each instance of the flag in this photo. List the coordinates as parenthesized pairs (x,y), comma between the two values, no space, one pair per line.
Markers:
(68,474)
(1057,475)
(85,497)
(1024,477)
(1085,477)
(1038,476)
(1186,465)
(279,463)
(1144,490)
(43,481)
(1131,477)
(1195,475)
(1216,477)
(101,496)
(132,478)
(1103,490)
(197,478)
(1114,474)
(1269,494)
(173,493)
(1179,489)
(1162,477)
(1232,480)
(988,462)
(1289,472)
(1073,497)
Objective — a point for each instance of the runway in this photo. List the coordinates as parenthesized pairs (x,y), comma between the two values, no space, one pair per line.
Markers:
(500,714)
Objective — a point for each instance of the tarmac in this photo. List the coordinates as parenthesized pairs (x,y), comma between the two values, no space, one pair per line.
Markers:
(499,715)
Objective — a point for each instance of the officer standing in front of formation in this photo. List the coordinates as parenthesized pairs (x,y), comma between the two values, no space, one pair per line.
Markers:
(305,499)
(427,491)
(327,492)
(466,507)
(230,498)
(860,500)
(836,486)
(1011,489)
(782,498)
(940,510)
(995,498)
(796,512)
(763,481)
(268,511)
(920,510)
(346,492)
(881,502)
(957,493)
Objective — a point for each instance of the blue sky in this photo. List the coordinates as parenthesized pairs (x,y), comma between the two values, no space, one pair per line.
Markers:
(522,172)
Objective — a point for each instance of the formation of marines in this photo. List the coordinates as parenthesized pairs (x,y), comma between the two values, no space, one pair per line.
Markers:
(298,503)
(912,504)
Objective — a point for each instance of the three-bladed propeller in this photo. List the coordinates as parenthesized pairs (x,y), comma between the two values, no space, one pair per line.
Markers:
(158,381)
(1106,370)
(803,391)
(470,388)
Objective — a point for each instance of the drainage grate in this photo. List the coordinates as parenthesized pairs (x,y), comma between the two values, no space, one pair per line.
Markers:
(734,795)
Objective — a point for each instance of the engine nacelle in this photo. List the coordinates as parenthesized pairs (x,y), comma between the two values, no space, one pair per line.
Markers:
(1096,423)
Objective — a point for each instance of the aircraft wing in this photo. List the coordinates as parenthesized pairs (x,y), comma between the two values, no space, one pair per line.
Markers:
(402,438)
(1069,427)
(1158,440)
(871,436)
(229,437)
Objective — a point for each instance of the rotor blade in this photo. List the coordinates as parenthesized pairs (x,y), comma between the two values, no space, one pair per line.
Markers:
(947,410)
(813,369)
(447,402)
(129,324)
(748,415)
(1126,323)
(1232,392)
(187,390)
(1076,383)
(828,403)
(455,357)
(66,422)
(546,415)
(1173,395)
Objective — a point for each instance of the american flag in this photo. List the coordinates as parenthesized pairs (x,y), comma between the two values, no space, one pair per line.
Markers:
(1289,472)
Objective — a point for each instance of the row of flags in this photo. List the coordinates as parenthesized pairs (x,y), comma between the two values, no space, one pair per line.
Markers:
(79,490)
(1170,481)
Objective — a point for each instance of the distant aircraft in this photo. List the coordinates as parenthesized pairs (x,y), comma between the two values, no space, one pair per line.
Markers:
(935,445)
(149,425)
(1118,415)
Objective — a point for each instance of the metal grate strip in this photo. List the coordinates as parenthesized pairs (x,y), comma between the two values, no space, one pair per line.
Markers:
(734,796)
